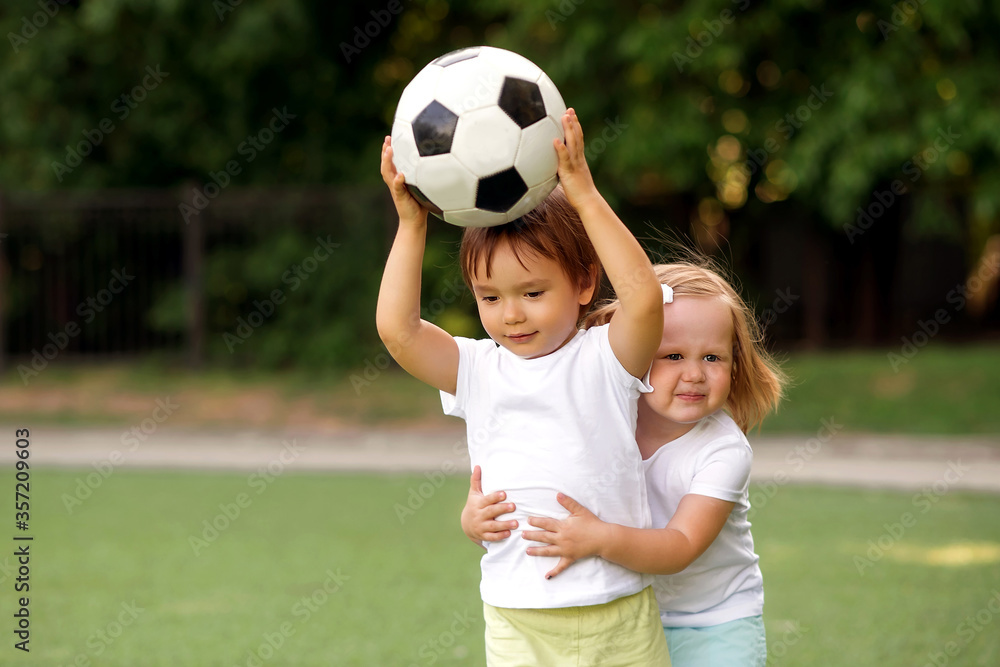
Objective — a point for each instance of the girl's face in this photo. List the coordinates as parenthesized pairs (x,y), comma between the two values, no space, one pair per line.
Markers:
(692,371)
(531,310)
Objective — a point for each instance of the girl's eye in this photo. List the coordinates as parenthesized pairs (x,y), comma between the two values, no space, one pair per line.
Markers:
(711,357)
(491,299)
(533,295)
(673,357)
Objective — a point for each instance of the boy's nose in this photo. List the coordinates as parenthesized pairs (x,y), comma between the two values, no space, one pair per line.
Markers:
(512,313)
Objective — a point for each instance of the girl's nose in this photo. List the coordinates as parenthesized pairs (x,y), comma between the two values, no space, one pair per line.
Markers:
(692,372)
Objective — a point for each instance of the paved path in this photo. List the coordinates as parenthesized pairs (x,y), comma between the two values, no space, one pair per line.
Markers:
(875,461)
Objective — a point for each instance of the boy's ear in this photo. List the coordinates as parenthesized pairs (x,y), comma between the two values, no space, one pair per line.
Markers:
(588,288)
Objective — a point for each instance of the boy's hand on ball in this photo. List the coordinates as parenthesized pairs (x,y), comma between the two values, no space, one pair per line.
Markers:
(408,208)
(574,173)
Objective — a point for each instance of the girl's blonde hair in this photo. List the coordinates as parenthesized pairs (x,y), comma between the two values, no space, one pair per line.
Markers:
(758,381)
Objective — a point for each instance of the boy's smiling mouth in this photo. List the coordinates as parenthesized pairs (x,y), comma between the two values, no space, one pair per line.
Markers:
(521,338)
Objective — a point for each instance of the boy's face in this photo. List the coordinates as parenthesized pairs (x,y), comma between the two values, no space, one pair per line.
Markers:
(692,371)
(531,310)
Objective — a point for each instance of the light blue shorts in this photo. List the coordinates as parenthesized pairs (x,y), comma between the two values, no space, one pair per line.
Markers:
(739,643)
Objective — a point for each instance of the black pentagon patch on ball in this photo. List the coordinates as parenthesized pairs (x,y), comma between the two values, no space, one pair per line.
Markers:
(522,101)
(433,130)
(500,191)
(456,56)
(424,201)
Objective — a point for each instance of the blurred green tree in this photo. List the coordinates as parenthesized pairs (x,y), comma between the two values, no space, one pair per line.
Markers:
(869,125)
(79,82)
(735,118)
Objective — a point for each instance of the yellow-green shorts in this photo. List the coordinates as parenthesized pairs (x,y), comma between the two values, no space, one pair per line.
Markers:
(625,632)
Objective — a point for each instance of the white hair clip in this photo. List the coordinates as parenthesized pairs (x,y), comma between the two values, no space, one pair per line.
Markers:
(668,293)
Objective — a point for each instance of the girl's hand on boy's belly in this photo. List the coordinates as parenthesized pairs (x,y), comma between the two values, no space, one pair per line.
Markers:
(532,501)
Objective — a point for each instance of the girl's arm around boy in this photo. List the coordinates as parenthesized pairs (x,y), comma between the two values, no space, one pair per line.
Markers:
(692,529)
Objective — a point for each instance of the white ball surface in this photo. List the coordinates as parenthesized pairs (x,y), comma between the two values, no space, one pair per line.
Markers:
(473,135)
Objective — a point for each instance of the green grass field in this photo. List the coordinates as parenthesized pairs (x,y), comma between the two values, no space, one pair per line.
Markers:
(946,390)
(940,390)
(326,570)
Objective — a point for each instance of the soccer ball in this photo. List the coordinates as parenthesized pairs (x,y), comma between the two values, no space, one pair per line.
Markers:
(473,136)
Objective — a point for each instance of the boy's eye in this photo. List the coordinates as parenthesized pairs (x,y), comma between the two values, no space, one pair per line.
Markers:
(673,357)
(491,299)
(533,295)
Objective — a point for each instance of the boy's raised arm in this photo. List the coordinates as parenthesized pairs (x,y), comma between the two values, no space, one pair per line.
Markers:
(636,329)
(424,350)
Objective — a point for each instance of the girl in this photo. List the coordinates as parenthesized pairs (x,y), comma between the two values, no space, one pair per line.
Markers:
(547,406)
(712,380)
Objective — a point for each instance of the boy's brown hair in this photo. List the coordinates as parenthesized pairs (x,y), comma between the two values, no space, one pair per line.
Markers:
(553,230)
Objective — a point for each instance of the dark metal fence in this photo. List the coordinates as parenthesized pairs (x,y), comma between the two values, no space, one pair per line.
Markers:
(111,273)
(82,274)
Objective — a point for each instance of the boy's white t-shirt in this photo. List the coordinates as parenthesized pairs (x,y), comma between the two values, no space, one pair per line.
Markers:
(724,583)
(565,423)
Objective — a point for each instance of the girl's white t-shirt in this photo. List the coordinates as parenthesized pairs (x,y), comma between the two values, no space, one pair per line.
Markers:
(563,422)
(725,583)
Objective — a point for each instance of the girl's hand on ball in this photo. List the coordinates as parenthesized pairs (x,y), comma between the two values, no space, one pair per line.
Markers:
(574,174)
(408,208)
